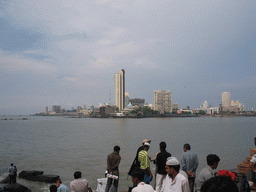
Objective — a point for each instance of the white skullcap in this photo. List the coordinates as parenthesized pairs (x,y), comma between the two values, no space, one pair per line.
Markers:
(172,161)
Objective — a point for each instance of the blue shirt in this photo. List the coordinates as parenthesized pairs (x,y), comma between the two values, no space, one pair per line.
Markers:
(62,188)
(12,170)
(189,161)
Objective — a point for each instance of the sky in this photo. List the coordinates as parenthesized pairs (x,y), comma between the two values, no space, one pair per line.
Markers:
(66,52)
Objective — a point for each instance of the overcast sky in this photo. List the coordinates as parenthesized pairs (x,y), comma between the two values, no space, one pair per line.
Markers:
(66,52)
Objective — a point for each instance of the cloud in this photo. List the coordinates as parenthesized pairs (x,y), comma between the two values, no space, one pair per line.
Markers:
(14,63)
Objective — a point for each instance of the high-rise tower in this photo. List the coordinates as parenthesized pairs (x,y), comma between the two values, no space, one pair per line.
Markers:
(120,89)
(226,99)
(163,101)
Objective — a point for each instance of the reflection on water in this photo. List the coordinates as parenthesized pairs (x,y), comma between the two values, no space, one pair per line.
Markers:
(61,146)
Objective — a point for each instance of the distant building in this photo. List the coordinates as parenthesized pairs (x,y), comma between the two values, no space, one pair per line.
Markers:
(107,110)
(46,109)
(204,105)
(85,111)
(78,109)
(226,99)
(56,108)
(137,101)
(175,107)
(237,104)
(120,90)
(163,101)
(126,100)
(212,110)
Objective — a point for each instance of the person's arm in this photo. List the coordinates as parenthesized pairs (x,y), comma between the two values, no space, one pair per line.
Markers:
(72,188)
(155,159)
(185,186)
(115,166)
(150,174)
(195,164)
(183,162)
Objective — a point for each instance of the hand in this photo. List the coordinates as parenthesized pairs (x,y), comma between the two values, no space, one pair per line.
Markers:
(190,174)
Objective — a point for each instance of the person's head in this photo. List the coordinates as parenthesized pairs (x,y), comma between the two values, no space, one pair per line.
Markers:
(172,166)
(57,182)
(146,146)
(53,188)
(78,174)
(162,146)
(219,184)
(212,160)
(137,176)
(186,147)
(11,164)
(145,141)
(116,148)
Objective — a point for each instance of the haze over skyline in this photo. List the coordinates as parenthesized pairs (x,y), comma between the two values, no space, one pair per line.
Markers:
(66,52)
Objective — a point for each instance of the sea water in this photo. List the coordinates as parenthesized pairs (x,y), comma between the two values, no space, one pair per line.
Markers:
(61,146)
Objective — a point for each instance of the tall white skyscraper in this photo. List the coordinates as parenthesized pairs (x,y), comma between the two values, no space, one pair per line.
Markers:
(120,89)
(163,101)
(226,99)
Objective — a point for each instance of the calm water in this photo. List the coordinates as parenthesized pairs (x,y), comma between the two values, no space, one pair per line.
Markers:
(61,146)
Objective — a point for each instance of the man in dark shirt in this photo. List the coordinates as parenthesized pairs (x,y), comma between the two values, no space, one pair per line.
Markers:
(113,161)
(160,162)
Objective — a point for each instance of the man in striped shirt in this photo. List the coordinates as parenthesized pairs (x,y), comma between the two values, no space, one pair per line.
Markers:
(79,184)
(144,163)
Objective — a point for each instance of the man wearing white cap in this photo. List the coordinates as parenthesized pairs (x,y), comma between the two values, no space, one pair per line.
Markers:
(174,180)
(144,163)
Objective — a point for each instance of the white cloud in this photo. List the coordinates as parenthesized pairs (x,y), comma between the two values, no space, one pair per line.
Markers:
(14,63)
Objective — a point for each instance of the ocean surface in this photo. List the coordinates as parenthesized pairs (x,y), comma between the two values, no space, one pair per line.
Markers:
(61,146)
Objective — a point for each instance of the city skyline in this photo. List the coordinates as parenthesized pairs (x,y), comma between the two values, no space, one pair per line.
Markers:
(65,53)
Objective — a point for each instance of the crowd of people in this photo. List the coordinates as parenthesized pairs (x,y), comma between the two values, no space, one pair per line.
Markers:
(171,175)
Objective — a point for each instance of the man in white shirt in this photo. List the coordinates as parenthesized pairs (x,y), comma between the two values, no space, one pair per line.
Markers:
(174,181)
(207,172)
(79,184)
(137,179)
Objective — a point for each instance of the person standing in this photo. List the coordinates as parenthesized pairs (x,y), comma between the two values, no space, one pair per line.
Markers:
(79,184)
(174,181)
(189,164)
(144,163)
(160,162)
(207,172)
(136,163)
(12,172)
(137,179)
(113,162)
